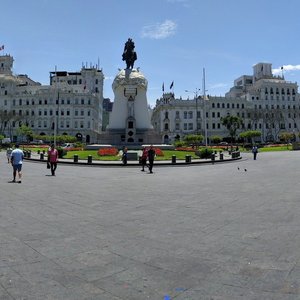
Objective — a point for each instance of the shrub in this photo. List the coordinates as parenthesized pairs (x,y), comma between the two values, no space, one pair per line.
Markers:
(108,151)
(204,153)
(61,152)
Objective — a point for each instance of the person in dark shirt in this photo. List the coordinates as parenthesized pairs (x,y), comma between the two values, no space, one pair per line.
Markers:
(151,155)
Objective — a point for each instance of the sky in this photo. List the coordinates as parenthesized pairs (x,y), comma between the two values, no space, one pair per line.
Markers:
(174,40)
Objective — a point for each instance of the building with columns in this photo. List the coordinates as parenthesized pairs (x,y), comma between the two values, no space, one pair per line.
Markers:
(265,102)
(71,104)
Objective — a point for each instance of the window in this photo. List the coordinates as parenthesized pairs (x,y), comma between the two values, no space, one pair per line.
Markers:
(166,126)
(190,115)
(213,105)
(88,112)
(228,105)
(82,112)
(68,112)
(40,112)
(185,114)
(213,114)
(76,112)
(218,105)
(177,114)
(166,115)
(191,126)
(82,101)
(45,112)
(177,126)
(185,126)
(223,105)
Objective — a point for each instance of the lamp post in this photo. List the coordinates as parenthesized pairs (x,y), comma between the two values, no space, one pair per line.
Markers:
(196,98)
(204,107)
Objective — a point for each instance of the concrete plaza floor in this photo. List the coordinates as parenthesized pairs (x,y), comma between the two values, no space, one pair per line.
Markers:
(187,233)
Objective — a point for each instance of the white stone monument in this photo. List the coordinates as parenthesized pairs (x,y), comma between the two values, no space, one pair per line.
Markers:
(129,122)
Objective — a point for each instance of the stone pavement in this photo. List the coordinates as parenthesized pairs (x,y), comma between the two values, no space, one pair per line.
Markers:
(186,233)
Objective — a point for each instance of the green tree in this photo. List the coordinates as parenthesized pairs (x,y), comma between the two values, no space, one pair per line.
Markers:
(286,137)
(25,131)
(194,139)
(250,134)
(216,139)
(232,123)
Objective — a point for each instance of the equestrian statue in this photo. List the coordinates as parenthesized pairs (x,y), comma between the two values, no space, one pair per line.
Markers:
(129,55)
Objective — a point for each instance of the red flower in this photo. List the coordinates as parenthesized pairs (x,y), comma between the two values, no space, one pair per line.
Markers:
(107,151)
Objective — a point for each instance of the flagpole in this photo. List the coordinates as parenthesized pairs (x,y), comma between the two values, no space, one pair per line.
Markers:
(55,116)
(204,106)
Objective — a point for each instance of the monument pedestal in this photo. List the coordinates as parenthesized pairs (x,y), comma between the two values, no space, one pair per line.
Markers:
(129,122)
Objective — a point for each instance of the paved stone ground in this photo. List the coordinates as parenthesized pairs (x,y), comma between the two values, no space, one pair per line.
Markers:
(190,232)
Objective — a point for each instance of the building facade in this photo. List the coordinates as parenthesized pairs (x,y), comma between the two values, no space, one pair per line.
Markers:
(265,102)
(71,104)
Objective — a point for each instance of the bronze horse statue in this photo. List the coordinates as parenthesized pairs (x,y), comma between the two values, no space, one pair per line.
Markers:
(129,55)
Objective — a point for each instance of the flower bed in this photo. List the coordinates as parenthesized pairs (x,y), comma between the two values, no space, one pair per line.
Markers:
(158,152)
(107,151)
(185,149)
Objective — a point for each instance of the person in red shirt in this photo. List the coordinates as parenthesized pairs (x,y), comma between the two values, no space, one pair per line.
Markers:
(52,159)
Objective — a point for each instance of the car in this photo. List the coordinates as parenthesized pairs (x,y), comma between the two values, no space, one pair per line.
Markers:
(37,142)
(67,145)
(223,144)
(6,141)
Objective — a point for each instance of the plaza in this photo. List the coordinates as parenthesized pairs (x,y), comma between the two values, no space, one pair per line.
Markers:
(222,231)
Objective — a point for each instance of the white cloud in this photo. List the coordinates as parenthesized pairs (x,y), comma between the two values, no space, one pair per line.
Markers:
(218,85)
(286,68)
(159,30)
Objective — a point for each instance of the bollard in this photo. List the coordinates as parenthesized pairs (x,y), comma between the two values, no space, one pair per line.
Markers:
(213,157)
(38,152)
(188,159)
(41,156)
(173,159)
(75,158)
(29,154)
(25,153)
(90,159)
(221,156)
(233,155)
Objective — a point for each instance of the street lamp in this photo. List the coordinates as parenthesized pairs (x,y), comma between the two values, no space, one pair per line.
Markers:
(196,98)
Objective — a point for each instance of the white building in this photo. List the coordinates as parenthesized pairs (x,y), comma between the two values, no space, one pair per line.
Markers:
(71,104)
(265,102)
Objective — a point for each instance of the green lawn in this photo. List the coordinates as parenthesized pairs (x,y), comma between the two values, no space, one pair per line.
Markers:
(83,154)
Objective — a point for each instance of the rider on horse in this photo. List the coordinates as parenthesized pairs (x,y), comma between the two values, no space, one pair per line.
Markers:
(129,55)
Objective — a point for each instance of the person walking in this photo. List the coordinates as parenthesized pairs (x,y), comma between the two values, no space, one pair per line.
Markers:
(124,156)
(144,158)
(16,159)
(151,155)
(8,154)
(254,151)
(52,159)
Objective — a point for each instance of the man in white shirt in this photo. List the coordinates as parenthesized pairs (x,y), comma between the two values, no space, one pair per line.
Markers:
(16,159)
